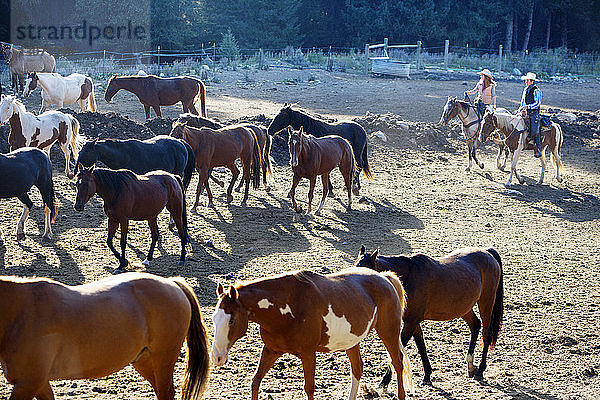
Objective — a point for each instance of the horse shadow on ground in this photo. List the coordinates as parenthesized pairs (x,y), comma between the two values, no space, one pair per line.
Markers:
(374,228)
(517,392)
(572,205)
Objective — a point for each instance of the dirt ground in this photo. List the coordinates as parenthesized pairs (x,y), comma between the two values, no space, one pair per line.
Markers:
(421,200)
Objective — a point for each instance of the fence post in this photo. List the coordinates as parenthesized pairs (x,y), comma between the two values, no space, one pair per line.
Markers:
(158,57)
(366,58)
(467,61)
(104,61)
(446,49)
(419,44)
(261,59)
(385,47)
(499,57)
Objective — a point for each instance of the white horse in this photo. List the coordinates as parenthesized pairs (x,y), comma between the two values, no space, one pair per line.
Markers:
(41,131)
(61,90)
(514,132)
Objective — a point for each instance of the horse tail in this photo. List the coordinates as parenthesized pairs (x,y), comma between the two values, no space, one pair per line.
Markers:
(189,166)
(365,161)
(92,99)
(77,141)
(198,361)
(267,155)
(184,209)
(559,142)
(46,187)
(498,310)
(256,162)
(201,97)
(407,377)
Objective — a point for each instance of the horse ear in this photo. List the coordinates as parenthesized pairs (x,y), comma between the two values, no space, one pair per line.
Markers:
(374,255)
(301,131)
(362,250)
(220,290)
(233,293)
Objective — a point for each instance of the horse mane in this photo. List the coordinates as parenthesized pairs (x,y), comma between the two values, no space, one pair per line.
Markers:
(310,123)
(418,260)
(305,276)
(115,180)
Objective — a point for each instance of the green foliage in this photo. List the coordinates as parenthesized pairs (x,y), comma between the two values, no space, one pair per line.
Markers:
(229,47)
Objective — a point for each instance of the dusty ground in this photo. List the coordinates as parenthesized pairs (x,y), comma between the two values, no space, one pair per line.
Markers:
(420,201)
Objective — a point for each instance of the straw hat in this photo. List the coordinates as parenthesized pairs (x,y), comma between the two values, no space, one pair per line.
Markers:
(530,76)
(487,73)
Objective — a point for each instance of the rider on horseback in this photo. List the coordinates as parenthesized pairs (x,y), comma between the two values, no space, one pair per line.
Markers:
(531,101)
(486,92)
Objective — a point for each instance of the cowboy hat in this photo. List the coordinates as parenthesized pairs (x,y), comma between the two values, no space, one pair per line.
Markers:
(530,76)
(487,73)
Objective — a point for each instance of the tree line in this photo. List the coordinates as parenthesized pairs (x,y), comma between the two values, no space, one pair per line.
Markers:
(517,24)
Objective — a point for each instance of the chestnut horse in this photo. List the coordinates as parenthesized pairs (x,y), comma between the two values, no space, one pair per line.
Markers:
(445,289)
(153,91)
(264,142)
(514,132)
(220,148)
(52,331)
(302,313)
(349,130)
(311,156)
(139,197)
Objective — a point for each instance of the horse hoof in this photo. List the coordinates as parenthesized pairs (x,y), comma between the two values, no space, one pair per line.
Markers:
(20,236)
(559,180)
(46,238)
(243,204)
(427,382)
(229,199)
(146,262)
(194,210)
(172,226)
(180,262)
(211,205)
(267,188)
(538,183)
(118,271)
(478,377)
(237,190)
(355,191)
(467,169)
(481,165)
(298,210)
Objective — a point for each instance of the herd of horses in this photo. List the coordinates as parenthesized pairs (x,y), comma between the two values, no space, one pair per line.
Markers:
(299,313)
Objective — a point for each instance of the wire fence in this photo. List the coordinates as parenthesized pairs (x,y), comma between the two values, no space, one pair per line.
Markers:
(101,64)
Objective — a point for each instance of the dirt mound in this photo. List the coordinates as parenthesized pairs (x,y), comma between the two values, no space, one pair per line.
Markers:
(415,135)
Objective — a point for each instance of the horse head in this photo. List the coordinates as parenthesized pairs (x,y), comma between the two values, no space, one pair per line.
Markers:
(86,187)
(449,112)
(88,155)
(112,88)
(178,129)
(295,142)
(7,108)
(367,260)
(31,82)
(281,120)
(230,320)
(489,123)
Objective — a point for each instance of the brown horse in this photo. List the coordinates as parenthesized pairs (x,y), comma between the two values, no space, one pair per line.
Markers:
(514,133)
(52,331)
(153,91)
(220,148)
(302,313)
(445,289)
(24,61)
(311,156)
(139,197)
(264,142)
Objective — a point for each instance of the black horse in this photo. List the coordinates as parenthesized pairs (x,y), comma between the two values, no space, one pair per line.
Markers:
(349,130)
(141,156)
(20,170)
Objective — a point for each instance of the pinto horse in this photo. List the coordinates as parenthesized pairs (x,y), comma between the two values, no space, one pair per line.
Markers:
(220,148)
(264,142)
(349,130)
(302,313)
(41,131)
(129,196)
(311,156)
(445,289)
(93,330)
(20,170)
(61,90)
(514,133)
(471,123)
(153,91)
